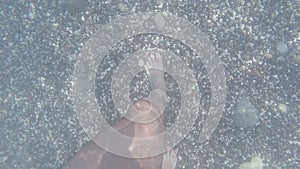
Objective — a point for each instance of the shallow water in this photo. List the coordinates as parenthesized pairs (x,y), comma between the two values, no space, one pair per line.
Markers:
(257,43)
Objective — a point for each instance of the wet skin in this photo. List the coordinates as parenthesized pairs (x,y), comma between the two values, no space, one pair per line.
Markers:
(143,120)
(92,156)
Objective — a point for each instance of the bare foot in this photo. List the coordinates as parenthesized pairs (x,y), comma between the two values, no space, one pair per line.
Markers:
(169,160)
(155,70)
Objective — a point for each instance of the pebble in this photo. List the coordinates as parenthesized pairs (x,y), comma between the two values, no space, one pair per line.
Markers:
(123,7)
(268,56)
(159,21)
(282,108)
(296,58)
(255,163)
(141,63)
(245,115)
(76,6)
(282,48)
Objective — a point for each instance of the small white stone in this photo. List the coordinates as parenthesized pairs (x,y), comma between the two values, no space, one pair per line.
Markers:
(268,56)
(282,108)
(141,63)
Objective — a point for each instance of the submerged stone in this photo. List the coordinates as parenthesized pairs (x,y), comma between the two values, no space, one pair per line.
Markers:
(159,21)
(255,163)
(75,6)
(282,48)
(282,108)
(246,114)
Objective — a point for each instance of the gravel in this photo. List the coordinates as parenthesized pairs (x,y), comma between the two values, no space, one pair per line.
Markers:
(258,42)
